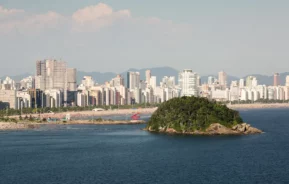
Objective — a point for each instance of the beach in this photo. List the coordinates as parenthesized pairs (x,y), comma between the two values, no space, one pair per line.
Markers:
(79,114)
(23,125)
(258,106)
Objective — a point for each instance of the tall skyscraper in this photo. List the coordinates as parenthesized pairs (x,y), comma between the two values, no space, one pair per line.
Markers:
(133,80)
(241,83)
(153,82)
(276,79)
(117,81)
(251,81)
(223,79)
(148,77)
(210,80)
(188,83)
(53,74)
(71,79)
(287,81)
(168,81)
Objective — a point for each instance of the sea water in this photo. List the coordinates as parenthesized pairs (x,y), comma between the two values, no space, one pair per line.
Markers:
(125,154)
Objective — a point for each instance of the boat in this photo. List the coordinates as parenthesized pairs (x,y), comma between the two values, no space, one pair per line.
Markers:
(135,116)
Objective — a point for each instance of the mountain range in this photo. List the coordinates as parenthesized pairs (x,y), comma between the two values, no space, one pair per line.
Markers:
(159,72)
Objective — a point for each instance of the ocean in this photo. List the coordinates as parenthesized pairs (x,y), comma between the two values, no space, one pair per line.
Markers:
(86,154)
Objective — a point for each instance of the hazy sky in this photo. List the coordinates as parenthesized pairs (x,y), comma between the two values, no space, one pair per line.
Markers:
(238,36)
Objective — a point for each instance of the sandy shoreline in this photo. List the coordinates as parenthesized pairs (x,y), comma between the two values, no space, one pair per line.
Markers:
(129,112)
(258,106)
(34,125)
(79,114)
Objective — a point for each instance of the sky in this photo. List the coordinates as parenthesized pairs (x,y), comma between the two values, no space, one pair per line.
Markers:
(239,37)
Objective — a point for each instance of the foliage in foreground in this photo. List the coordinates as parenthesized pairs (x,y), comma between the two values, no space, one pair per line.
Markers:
(192,113)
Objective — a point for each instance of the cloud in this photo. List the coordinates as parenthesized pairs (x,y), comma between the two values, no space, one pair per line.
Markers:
(95,17)
(4,11)
(88,19)
(27,23)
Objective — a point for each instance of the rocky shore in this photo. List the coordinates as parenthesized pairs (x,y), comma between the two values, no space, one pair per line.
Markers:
(215,129)
(16,126)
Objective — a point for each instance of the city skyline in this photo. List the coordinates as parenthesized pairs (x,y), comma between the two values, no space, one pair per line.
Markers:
(240,38)
(55,85)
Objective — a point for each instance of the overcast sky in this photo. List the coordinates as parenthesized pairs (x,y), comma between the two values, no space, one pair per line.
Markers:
(238,36)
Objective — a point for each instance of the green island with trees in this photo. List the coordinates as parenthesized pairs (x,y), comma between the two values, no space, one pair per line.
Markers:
(197,116)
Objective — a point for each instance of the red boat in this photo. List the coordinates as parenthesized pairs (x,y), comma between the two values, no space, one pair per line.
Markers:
(135,116)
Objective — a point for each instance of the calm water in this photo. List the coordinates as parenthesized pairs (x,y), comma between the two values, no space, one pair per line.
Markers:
(125,154)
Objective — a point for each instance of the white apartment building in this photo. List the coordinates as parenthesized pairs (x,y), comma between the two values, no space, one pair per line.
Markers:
(27,83)
(23,99)
(133,80)
(168,82)
(153,82)
(222,79)
(8,84)
(88,81)
(188,83)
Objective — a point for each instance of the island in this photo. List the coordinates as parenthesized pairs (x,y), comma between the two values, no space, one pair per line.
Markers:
(197,116)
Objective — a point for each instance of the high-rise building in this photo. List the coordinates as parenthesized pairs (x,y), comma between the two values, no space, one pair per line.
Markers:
(148,76)
(8,84)
(168,82)
(222,79)
(188,83)
(27,83)
(88,81)
(276,79)
(117,81)
(211,80)
(9,98)
(133,80)
(199,82)
(251,81)
(53,74)
(287,81)
(71,79)
(153,82)
(241,83)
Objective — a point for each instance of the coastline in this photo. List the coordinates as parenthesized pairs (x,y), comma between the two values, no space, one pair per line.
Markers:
(79,114)
(4,126)
(129,112)
(213,129)
(258,106)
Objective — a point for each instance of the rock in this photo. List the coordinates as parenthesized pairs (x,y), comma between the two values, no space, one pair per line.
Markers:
(218,129)
(215,129)
(171,130)
(252,130)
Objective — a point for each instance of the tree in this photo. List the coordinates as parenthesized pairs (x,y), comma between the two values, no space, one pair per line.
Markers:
(192,113)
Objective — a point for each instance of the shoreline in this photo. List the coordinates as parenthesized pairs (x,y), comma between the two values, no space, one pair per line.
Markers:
(258,106)
(5,126)
(79,114)
(129,112)
(213,130)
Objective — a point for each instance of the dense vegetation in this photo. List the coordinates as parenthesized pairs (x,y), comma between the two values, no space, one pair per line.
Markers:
(192,113)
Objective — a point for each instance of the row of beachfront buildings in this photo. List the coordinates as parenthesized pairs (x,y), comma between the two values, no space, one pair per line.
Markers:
(55,85)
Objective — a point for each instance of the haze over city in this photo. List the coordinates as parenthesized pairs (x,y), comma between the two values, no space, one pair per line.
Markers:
(240,38)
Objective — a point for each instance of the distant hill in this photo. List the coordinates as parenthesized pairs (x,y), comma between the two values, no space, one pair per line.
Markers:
(268,80)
